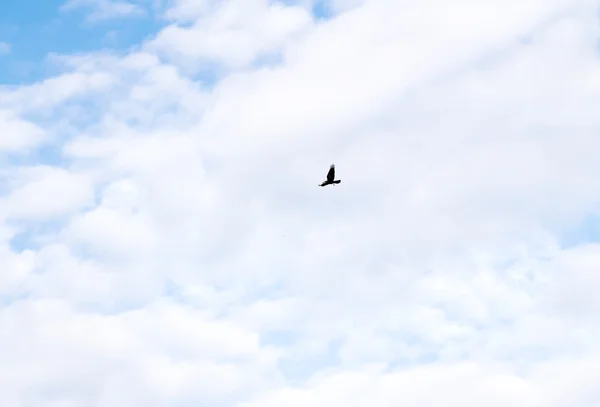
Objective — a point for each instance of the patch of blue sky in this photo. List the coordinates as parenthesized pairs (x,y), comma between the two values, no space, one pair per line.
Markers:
(321,10)
(298,368)
(279,337)
(34,29)
(8,299)
(587,231)
(268,60)
(31,235)
(82,113)
(48,154)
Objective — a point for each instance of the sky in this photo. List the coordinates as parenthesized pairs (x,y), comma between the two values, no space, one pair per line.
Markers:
(164,240)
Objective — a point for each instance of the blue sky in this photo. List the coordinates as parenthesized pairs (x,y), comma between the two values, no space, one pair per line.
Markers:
(33,29)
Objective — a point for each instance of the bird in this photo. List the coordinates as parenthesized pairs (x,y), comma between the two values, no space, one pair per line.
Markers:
(330,177)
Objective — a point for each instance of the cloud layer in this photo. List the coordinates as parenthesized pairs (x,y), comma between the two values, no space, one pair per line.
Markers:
(166,244)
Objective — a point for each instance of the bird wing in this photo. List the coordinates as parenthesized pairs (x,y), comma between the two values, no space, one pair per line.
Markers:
(331,173)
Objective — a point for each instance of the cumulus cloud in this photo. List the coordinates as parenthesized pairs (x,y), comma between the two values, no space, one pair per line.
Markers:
(178,250)
(42,192)
(17,133)
(234,35)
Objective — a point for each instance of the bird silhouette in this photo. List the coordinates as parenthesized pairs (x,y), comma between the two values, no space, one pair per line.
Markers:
(330,177)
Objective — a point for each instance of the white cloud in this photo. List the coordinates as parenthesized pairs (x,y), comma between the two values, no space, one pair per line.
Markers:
(234,35)
(52,92)
(182,253)
(467,384)
(69,354)
(16,133)
(43,192)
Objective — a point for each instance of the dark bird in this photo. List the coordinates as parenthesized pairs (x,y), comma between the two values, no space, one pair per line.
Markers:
(330,177)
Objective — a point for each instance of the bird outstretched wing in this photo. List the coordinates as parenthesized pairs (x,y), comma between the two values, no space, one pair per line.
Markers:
(331,173)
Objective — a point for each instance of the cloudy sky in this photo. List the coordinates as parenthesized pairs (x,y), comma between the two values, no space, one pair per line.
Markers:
(164,241)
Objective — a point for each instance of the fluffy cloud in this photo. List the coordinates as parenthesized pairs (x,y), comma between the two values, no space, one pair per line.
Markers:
(17,133)
(233,35)
(179,252)
(44,192)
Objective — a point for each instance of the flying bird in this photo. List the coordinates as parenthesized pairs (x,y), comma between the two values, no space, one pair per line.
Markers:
(330,177)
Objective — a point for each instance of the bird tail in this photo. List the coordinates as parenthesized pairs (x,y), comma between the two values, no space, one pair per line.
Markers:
(337,181)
